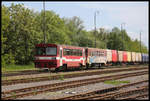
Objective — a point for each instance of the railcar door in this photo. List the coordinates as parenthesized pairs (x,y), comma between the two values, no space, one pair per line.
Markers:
(83,56)
(60,52)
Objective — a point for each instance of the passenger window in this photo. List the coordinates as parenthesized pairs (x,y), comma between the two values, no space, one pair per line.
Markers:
(67,51)
(81,52)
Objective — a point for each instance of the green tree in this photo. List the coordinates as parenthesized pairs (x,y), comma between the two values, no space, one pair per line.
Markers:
(75,27)
(115,40)
(6,56)
(55,28)
(20,33)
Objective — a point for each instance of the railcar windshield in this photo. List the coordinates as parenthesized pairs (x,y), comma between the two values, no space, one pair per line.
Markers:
(46,51)
(51,51)
(40,51)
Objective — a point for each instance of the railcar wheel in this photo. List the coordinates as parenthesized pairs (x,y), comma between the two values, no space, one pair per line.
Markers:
(81,67)
(99,65)
(65,67)
(57,69)
(87,66)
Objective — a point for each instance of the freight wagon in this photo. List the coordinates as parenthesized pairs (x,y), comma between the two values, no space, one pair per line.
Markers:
(133,55)
(124,57)
(120,57)
(136,57)
(139,58)
(129,57)
(143,58)
(109,56)
(96,57)
(114,56)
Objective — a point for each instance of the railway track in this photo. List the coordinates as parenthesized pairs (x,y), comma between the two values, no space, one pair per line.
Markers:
(25,72)
(31,72)
(13,94)
(55,77)
(131,94)
(137,96)
(122,94)
(110,93)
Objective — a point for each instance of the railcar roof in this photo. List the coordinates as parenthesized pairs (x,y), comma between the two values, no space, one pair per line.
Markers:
(42,44)
(96,48)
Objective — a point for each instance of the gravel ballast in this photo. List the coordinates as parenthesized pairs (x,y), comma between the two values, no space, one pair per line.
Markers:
(83,89)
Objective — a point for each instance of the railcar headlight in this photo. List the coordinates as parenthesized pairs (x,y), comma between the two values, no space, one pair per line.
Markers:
(36,58)
(54,58)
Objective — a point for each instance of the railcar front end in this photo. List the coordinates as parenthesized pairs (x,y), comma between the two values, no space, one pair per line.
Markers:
(46,56)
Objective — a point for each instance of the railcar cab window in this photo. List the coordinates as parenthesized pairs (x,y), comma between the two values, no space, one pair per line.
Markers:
(51,51)
(40,51)
(46,51)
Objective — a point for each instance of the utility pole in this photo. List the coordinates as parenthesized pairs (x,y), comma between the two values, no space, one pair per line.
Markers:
(95,25)
(122,35)
(140,41)
(44,23)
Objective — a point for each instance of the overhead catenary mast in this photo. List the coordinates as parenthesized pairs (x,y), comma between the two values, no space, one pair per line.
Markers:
(140,42)
(95,25)
(122,36)
(44,22)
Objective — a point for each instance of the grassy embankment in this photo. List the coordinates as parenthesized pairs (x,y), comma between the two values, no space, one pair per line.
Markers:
(15,68)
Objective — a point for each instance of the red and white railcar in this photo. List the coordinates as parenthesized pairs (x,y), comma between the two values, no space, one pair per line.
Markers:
(56,56)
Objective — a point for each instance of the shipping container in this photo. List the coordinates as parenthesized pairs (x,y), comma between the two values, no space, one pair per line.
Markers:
(147,58)
(114,56)
(136,57)
(120,56)
(139,57)
(143,57)
(128,56)
(133,56)
(124,56)
(109,56)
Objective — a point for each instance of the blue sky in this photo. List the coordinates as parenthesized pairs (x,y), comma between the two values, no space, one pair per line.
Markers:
(111,14)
